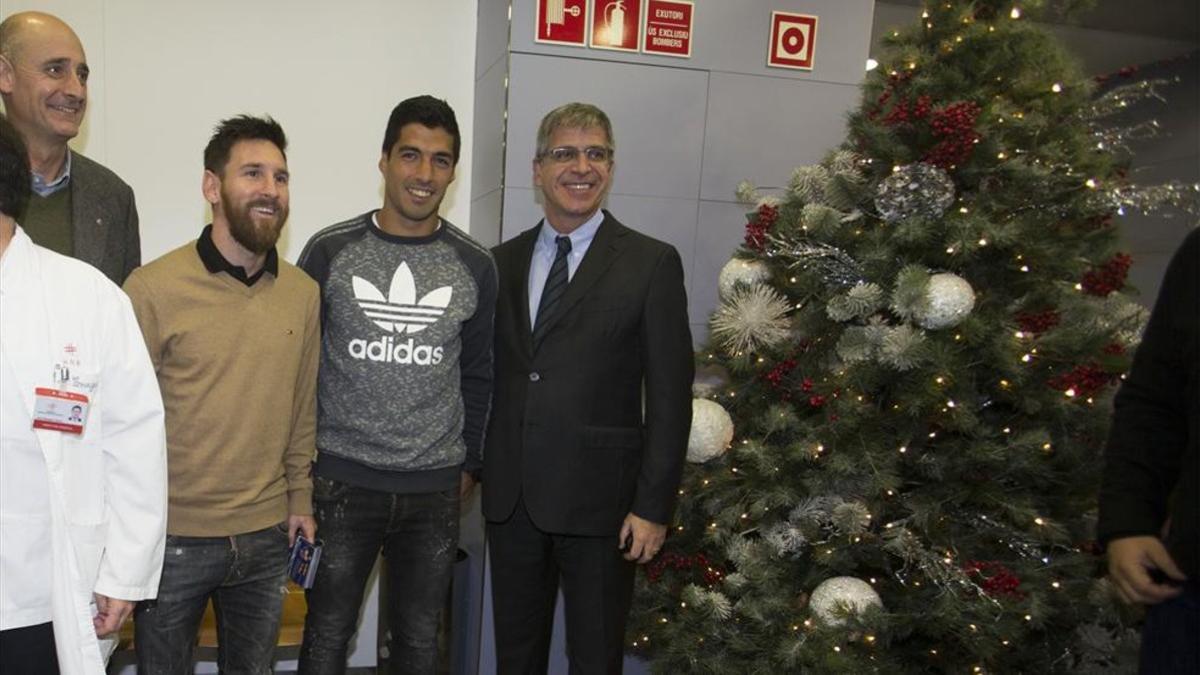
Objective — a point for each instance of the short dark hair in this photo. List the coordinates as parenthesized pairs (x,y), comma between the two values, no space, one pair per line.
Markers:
(15,179)
(427,111)
(241,128)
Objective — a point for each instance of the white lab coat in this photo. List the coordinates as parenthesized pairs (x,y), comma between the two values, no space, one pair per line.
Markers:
(108,487)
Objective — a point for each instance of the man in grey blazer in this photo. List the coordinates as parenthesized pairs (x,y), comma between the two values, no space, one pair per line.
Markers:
(78,207)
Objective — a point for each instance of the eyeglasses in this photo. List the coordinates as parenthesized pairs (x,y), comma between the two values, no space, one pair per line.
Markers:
(565,154)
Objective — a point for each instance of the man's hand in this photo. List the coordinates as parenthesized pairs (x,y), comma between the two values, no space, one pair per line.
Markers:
(1130,560)
(306,524)
(644,538)
(466,487)
(111,614)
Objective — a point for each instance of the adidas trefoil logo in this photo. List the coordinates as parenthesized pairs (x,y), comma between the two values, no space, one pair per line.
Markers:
(400,310)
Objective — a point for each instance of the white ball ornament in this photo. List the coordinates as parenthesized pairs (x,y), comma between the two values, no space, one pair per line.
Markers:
(739,271)
(948,300)
(833,595)
(712,431)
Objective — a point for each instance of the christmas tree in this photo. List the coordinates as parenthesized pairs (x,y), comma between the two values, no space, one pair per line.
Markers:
(895,452)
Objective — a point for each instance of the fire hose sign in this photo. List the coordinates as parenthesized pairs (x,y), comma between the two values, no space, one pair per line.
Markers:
(562,22)
(668,28)
(616,24)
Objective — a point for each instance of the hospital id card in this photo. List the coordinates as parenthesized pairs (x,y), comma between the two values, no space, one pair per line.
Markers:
(59,410)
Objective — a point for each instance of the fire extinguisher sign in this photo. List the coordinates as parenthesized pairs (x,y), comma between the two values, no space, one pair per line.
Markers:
(561,22)
(616,24)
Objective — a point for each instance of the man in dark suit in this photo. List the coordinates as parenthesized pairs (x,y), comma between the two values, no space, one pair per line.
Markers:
(592,407)
(78,207)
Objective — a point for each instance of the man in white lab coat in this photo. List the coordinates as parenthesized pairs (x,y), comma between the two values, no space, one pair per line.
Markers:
(82,451)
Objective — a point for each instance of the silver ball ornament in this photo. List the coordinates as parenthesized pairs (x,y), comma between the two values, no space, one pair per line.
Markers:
(948,300)
(840,593)
(711,433)
(739,271)
(919,189)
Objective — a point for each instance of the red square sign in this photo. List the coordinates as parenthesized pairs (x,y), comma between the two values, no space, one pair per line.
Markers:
(668,28)
(793,40)
(616,24)
(562,22)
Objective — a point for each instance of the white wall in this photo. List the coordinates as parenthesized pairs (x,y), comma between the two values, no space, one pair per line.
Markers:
(164,72)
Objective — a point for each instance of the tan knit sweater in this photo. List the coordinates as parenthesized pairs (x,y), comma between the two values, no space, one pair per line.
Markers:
(237,366)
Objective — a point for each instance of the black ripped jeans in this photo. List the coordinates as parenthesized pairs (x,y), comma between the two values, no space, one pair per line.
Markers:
(418,534)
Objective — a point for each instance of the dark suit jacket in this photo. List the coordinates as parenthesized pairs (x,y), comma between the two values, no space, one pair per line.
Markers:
(568,433)
(105,219)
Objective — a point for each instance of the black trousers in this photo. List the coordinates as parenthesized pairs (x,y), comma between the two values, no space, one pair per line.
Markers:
(528,566)
(28,650)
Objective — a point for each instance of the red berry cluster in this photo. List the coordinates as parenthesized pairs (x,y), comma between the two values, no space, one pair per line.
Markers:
(1038,322)
(710,573)
(1108,277)
(955,125)
(760,225)
(776,375)
(994,578)
(1114,349)
(904,112)
(816,400)
(895,81)
(1086,379)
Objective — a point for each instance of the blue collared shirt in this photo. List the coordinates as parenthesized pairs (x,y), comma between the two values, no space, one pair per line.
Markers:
(44,189)
(544,250)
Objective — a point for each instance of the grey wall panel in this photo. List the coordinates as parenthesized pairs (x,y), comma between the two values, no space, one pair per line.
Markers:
(487,159)
(669,220)
(522,210)
(734,37)
(491,34)
(657,116)
(760,128)
(485,218)
(721,228)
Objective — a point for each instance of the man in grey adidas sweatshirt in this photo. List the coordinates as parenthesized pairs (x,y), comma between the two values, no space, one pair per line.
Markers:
(405,385)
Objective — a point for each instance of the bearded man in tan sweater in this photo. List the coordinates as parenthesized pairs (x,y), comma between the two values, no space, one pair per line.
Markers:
(234,334)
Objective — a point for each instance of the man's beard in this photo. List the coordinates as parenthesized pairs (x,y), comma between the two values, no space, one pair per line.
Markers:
(253,237)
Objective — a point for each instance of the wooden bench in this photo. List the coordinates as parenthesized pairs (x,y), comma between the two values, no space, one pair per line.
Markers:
(291,628)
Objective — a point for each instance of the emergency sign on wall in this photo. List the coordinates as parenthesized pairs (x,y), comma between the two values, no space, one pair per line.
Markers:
(562,22)
(616,24)
(793,41)
(668,28)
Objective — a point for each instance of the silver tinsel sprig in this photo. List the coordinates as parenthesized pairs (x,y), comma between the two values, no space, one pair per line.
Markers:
(940,569)
(1165,199)
(1119,139)
(834,266)
(1118,99)
(1016,541)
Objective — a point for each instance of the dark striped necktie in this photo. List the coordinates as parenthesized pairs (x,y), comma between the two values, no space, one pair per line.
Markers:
(552,292)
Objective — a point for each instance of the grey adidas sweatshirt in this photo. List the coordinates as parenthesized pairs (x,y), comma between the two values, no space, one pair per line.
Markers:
(405,381)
